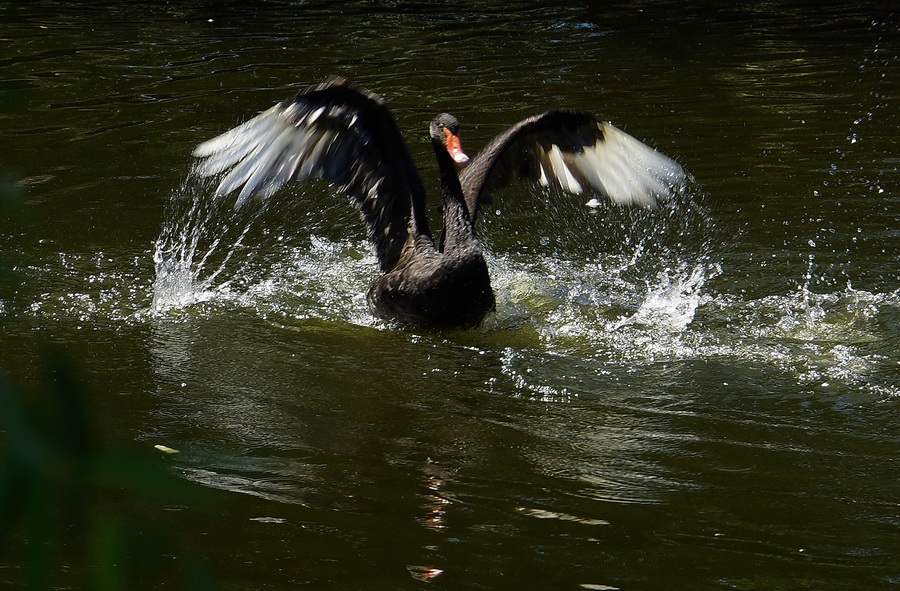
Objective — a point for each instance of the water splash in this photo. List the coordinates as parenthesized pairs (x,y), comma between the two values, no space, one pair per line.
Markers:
(672,302)
(194,250)
(209,252)
(653,300)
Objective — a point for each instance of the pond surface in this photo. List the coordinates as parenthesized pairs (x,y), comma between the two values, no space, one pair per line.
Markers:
(698,396)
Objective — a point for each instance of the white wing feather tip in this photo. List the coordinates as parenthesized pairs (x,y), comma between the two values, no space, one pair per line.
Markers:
(629,171)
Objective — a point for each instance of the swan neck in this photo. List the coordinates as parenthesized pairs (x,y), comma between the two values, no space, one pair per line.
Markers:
(457,228)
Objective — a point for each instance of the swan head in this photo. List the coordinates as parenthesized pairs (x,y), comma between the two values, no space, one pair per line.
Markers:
(445,130)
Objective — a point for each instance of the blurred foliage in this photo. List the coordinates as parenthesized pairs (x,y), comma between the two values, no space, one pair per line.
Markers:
(75,511)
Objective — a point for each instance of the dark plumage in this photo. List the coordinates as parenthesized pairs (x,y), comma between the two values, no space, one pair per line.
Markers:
(345,134)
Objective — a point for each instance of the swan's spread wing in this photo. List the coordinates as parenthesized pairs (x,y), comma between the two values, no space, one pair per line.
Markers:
(576,152)
(334,131)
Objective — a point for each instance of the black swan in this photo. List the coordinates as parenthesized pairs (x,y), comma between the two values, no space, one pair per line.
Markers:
(346,134)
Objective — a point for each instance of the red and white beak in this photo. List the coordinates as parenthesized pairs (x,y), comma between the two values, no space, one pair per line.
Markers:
(454,147)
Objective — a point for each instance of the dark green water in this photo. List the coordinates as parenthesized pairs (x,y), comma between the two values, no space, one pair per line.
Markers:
(701,396)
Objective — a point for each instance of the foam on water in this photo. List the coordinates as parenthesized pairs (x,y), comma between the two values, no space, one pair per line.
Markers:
(592,311)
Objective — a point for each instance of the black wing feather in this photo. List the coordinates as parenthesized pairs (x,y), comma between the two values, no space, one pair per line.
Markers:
(334,131)
(574,151)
